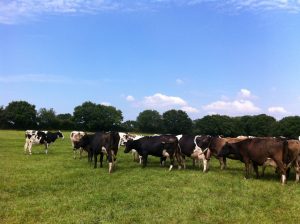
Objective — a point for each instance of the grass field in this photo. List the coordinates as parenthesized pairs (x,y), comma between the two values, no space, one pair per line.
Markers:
(55,188)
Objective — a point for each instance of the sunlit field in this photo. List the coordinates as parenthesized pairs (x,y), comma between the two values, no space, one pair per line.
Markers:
(56,188)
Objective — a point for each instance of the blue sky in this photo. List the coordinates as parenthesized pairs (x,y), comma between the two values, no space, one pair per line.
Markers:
(229,57)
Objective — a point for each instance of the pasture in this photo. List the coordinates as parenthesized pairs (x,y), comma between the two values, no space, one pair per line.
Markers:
(55,188)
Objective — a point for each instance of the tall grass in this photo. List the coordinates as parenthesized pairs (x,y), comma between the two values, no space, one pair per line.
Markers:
(56,188)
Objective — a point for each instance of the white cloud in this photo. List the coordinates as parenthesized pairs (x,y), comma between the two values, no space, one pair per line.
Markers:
(105,103)
(245,93)
(191,110)
(130,98)
(233,107)
(159,100)
(277,110)
(179,81)
(15,11)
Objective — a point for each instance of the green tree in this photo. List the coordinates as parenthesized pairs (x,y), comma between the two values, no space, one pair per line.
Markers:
(289,127)
(177,122)
(3,122)
(47,119)
(92,117)
(217,125)
(129,126)
(149,121)
(258,125)
(20,115)
(65,121)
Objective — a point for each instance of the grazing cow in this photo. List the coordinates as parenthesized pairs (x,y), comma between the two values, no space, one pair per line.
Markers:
(41,137)
(195,147)
(101,143)
(163,146)
(257,151)
(217,144)
(75,136)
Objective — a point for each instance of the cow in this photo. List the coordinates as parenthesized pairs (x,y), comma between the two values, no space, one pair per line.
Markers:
(293,159)
(257,151)
(195,147)
(75,136)
(41,137)
(101,143)
(163,146)
(216,145)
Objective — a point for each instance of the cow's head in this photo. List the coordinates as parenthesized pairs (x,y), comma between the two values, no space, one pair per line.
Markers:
(60,135)
(82,143)
(129,145)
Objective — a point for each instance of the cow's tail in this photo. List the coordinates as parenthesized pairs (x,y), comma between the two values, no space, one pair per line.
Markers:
(286,157)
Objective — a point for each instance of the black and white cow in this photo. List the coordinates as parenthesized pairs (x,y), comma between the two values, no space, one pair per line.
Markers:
(101,143)
(195,147)
(41,137)
(163,146)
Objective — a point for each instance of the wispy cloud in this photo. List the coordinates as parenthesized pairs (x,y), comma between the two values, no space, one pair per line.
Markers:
(15,11)
(179,81)
(277,110)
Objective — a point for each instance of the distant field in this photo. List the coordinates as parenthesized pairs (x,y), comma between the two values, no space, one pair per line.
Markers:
(55,188)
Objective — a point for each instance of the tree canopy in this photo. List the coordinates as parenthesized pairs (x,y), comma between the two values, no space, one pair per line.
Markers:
(90,116)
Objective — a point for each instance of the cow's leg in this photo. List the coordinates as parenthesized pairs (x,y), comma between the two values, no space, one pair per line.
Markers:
(29,147)
(247,168)
(194,163)
(222,161)
(46,147)
(162,161)
(255,167)
(205,165)
(74,153)
(95,160)
(101,159)
(110,160)
(281,169)
(179,160)
(144,158)
(171,162)
(184,162)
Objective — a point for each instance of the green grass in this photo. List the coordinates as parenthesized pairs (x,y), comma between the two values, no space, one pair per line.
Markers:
(55,188)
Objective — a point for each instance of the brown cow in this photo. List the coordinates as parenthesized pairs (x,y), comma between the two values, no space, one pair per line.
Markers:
(257,151)
(217,144)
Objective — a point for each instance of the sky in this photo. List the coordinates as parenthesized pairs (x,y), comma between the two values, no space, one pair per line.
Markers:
(228,57)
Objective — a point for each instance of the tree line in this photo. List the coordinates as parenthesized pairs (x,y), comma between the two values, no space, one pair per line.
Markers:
(89,116)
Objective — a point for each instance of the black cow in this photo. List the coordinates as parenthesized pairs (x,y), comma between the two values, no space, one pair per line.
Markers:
(100,143)
(195,147)
(257,151)
(41,137)
(162,146)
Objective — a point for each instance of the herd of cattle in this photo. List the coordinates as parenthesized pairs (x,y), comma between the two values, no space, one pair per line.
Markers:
(281,153)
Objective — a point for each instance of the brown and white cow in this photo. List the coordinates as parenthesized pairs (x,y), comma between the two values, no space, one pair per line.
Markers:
(75,136)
